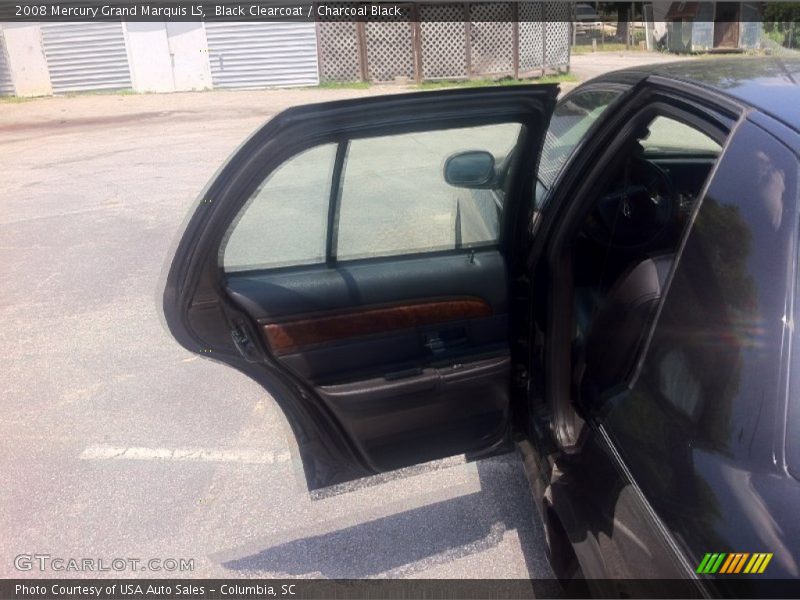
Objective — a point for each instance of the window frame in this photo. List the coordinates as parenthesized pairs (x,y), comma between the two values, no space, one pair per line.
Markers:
(643,101)
(709,126)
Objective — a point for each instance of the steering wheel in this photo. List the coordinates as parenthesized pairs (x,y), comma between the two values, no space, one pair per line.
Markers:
(636,210)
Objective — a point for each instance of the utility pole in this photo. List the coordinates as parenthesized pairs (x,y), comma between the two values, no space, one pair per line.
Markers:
(629,29)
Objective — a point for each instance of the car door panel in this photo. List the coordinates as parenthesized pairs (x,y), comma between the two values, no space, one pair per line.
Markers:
(275,295)
(394,354)
(377,363)
(432,410)
(409,352)
(331,325)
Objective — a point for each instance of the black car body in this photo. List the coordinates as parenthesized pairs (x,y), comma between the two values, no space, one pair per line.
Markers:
(621,308)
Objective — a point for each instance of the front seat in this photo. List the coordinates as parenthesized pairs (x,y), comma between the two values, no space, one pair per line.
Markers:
(620,327)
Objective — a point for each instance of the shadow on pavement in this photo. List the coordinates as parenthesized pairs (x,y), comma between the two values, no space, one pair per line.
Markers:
(418,539)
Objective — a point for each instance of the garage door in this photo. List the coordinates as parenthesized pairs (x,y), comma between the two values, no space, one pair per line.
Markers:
(6,85)
(86,56)
(252,55)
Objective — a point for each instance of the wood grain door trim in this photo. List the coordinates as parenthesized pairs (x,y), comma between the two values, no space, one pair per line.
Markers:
(293,336)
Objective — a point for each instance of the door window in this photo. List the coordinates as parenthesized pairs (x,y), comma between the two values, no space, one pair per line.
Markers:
(571,120)
(395,199)
(284,221)
(668,136)
(392,200)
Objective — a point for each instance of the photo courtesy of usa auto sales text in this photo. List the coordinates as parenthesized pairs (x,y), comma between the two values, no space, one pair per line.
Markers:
(124,589)
(148,590)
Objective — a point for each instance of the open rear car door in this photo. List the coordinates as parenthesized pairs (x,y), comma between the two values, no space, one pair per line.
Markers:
(353,258)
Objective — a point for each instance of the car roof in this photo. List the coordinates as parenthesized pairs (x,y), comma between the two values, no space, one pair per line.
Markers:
(769,84)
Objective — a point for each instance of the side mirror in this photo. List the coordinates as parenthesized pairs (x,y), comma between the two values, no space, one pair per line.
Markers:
(471,169)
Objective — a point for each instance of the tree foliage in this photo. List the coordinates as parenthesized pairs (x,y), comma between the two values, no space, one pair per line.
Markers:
(782,23)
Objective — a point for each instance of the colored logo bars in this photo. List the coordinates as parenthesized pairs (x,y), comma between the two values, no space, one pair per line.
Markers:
(737,562)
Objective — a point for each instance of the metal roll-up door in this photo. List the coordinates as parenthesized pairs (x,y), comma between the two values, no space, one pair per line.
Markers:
(86,56)
(252,55)
(6,83)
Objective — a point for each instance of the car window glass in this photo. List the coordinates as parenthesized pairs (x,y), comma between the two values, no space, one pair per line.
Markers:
(394,198)
(709,384)
(571,119)
(284,222)
(669,135)
(640,211)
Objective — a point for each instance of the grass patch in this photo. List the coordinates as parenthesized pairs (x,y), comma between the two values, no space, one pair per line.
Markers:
(509,81)
(608,47)
(17,99)
(116,92)
(343,85)
(80,94)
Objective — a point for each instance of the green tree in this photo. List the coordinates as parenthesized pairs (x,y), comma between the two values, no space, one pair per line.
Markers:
(782,23)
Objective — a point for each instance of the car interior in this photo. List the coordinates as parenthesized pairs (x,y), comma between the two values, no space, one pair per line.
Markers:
(624,249)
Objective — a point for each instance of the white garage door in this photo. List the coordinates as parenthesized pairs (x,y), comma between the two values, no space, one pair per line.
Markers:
(252,55)
(86,56)
(6,84)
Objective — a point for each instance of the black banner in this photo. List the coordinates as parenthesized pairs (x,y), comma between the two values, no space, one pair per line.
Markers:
(430,589)
(261,10)
(263,589)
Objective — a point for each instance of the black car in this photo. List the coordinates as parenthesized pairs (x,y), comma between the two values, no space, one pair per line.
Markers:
(606,282)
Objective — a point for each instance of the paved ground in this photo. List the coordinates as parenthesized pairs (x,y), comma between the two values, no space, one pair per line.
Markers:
(587,66)
(95,394)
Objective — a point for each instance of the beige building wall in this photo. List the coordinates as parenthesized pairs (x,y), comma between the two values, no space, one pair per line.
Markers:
(26,59)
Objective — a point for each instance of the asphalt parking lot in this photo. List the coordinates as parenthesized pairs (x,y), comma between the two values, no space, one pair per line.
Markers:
(116,442)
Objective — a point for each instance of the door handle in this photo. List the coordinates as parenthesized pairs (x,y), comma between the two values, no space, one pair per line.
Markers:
(435,344)
(442,341)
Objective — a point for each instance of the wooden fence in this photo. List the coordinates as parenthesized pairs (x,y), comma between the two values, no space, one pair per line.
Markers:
(448,41)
